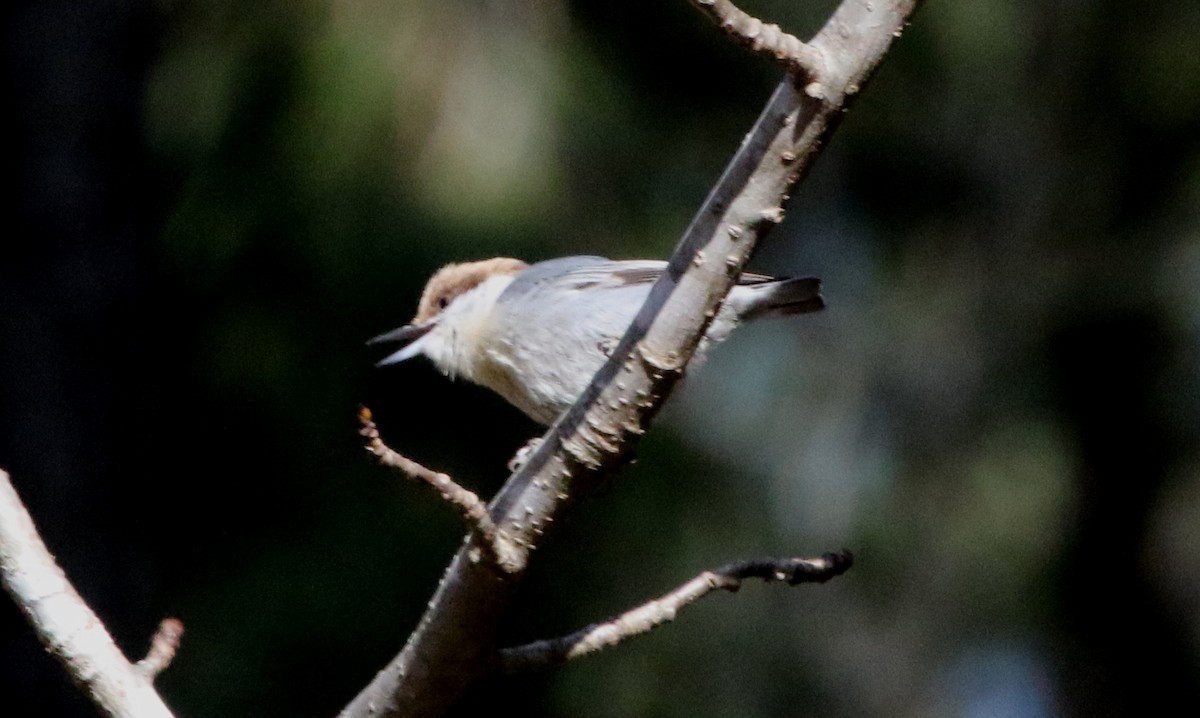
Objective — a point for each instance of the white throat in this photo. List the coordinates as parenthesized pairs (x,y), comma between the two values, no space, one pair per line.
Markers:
(457,344)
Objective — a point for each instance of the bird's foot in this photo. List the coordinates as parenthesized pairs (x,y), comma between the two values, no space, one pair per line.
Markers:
(523,454)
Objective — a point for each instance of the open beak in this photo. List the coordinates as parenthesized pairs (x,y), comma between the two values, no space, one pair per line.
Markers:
(409,336)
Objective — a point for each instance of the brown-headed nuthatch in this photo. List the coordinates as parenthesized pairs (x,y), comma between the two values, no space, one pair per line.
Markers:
(537,333)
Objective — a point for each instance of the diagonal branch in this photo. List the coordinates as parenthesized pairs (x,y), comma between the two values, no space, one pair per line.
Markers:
(648,616)
(65,625)
(455,641)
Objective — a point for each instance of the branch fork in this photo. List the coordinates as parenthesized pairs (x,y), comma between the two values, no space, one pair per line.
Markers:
(800,58)
(651,615)
(69,629)
(493,544)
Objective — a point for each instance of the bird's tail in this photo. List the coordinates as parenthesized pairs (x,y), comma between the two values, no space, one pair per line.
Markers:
(777,298)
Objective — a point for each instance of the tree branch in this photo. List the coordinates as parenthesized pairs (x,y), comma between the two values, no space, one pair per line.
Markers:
(163,646)
(65,625)
(648,616)
(454,644)
(474,512)
(764,38)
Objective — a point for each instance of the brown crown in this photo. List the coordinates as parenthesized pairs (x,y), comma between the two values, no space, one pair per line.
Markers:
(453,280)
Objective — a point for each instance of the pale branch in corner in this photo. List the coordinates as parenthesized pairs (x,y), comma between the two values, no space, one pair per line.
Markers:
(455,642)
(472,509)
(648,616)
(68,629)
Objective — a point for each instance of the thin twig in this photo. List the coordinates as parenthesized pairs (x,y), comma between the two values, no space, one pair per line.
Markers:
(163,646)
(64,623)
(648,616)
(472,509)
(765,38)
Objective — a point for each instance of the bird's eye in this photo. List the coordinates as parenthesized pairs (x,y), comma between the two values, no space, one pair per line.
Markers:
(442,302)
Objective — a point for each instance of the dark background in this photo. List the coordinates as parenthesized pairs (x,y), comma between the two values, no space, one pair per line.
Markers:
(211,205)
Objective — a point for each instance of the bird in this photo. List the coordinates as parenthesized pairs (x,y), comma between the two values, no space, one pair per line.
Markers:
(537,333)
